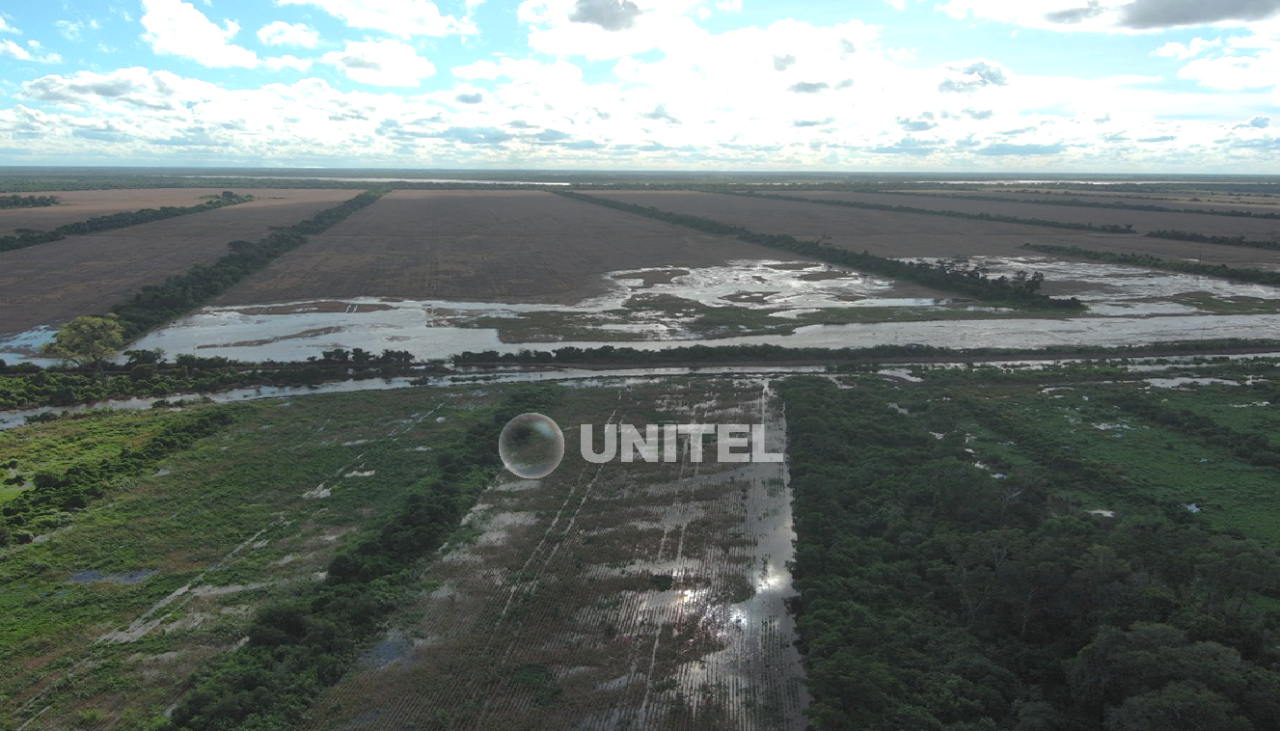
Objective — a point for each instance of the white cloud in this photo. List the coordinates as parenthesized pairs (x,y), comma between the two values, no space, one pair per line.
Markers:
(13,50)
(605,29)
(73,30)
(281,33)
(287,62)
(402,18)
(1197,46)
(1234,73)
(381,63)
(733,6)
(1113,16)
(6,28)
(898,4)
(178,29)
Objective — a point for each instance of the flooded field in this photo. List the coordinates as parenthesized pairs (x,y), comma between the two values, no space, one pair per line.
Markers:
(639,596)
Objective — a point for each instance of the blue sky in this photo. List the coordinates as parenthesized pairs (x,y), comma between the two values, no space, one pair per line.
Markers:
(1140,86)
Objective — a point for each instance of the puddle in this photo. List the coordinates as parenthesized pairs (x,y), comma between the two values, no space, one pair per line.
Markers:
(128,577)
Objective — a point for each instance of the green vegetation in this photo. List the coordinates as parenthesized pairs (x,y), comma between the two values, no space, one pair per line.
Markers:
(158,304)
(948,275)
(115,220)
(1235,274)
(1108,228)
(938,594)
(1077,203)
(146,373)
(56,494)
(28,201)
(298,647)
(87,340)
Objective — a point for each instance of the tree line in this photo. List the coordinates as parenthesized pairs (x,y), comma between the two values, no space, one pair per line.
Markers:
(949,275)
(1219,240)
(1113,204)
(28,201)
(28,237)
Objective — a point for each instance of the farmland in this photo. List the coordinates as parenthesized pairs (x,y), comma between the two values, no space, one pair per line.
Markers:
(486,246)
(53,282)
(81,205)
(1142,221)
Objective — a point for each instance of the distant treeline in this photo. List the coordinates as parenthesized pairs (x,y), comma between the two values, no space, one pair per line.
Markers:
(155,305)
(28,201)
(115,220)
(1235,274)
(1050,201)
(296,647)
(36,510)
(998,218)
(1221,240)
(951,276)
(694,354)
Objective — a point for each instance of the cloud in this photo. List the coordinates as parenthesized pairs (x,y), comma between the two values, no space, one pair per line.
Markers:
(809,87)
(660,113)
(919,124)
(1076,15)
(907,146)
(782,63)
(1177,50)
(381,63)
(280,33)
(1234,73)
(401,18)
(287,62)
(978,113)
(1006,148)
(73,30)
(612,15)
(176,28)
(13,50)
(1255,122)
(973,76)
(733,6)
(6,28)
(898,4)
(476,135)
(469,98)
(133,88)
(812,122)
(1150,14)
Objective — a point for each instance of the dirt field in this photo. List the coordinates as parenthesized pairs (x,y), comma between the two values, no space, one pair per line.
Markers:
(81,205)
(51,283)
(1142,221)
(616,596)
(486,246)
(1205,200)
(908,235)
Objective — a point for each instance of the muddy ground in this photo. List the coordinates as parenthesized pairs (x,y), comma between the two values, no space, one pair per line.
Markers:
(638,596)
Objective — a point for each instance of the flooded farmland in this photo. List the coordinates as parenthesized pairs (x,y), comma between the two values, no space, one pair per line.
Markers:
(639,596)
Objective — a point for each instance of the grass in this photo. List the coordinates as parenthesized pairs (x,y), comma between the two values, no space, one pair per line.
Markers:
(226,518)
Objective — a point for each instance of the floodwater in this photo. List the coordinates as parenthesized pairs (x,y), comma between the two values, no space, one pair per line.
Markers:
(1098,283)
(407,326)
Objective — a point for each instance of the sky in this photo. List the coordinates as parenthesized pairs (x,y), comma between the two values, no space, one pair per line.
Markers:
(1123,86)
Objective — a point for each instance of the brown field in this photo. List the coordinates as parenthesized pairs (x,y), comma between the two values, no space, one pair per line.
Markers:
(1204,200)
(1142,221)
(51,283)
(81,205)
(887,233)
(638,596)
(488,246)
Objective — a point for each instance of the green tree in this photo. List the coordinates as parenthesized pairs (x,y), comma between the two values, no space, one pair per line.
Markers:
(87,340)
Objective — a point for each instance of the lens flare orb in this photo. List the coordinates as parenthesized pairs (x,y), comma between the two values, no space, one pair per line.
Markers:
(531,446)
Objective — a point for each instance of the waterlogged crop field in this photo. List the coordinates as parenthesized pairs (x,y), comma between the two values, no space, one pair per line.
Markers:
(643,596)
(48,284)
(615,595)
